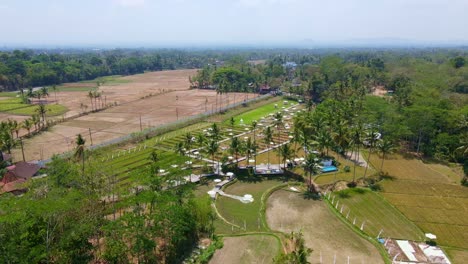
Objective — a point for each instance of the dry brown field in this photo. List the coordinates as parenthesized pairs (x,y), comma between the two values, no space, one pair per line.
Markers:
(330,239)
(172,99)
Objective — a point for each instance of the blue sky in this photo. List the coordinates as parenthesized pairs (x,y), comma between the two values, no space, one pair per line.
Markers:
(230,22)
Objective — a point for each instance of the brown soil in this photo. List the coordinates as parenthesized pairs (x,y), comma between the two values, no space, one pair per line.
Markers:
(246,249)
(323,232)
(124,118)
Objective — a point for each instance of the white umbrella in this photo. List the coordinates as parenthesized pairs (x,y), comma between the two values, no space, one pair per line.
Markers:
(217,180)
(251,160)
(430,236)
(230,157)
(230,174)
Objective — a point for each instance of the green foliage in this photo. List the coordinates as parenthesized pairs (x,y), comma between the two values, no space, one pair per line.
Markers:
(208,253)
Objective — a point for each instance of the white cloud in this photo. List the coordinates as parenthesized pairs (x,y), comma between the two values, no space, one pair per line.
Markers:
(131,3)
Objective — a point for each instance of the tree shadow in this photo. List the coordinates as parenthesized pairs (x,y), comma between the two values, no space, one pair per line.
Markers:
(307,195)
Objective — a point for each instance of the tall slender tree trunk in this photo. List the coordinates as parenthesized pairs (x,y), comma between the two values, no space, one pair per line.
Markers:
(367,163)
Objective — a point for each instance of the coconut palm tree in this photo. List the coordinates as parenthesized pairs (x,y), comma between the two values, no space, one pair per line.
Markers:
(215,132)
(324,141)
(356,139)
(54,88)
(17,127)
(6,140)
(385,147)
(235,147)
(212,148)
(311,167)
(41,110)
(200,139)
(44,92)
(253,126)
(371,141)
(35,120)
(286,153)
(179,148)
(27,124)
(80,151)
(91,96)
(188,140)
(268,139)
(250,149)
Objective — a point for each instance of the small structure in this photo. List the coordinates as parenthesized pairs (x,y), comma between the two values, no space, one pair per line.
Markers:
(405,251)
(16,175)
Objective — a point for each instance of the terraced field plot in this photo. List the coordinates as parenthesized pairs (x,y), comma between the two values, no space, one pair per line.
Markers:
(378,214)
(429,198)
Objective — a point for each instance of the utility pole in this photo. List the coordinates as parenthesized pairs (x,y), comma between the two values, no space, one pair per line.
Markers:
(141,127)
(22,148)
(90,137)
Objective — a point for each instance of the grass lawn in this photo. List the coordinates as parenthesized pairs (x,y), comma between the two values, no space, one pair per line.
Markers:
(259,112)
(17,107)
(246,215)
(378,214)
(9,94)
(108,80)
(247,249)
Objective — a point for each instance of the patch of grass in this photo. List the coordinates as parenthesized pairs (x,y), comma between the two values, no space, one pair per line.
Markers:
(72,89)
(16,107)
(108,80)
(9,94)
(457,255)
(377,213)
(259,112)
(246,215)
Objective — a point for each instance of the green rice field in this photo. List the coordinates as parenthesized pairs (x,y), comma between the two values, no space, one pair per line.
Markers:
(17,107)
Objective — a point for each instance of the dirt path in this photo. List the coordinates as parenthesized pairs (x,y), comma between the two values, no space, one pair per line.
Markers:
(323,232)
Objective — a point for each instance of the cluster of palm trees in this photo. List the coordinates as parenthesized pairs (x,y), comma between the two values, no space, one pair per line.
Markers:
(10,129)
(41,93)
(96,99)
(339,127)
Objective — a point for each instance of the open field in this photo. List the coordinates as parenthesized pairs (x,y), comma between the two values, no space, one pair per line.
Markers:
(378,214)
(246,215)
(323,231)
(15,106)
(259,249)
(125,117)
(428,196)
(260,112)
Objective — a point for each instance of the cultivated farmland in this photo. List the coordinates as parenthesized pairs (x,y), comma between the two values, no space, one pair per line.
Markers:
(432,200)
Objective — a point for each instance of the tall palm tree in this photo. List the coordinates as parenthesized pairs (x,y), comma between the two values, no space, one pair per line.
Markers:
(311,167)
(44,92)
(254,128)
(371,141)
(80,151)
(324,141)
(41,110)
(279,123)
(27,124)
(212,148)
(235,147)
(286,153)
(268,139)
(35,120)
(91,96)
(17,127)
(250,149)
(356,139)
(54,88)
(6,140)
(385,147)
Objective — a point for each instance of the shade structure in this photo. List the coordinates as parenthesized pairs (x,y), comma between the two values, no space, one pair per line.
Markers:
(430,236)
(230,174)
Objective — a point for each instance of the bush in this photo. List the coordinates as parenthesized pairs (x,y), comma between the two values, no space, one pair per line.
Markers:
(347,169)
(208,253)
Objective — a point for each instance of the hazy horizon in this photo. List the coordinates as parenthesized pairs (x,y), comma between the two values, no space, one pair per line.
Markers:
(210,23)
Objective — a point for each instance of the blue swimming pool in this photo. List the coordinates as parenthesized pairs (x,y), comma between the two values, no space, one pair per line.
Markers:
(329,169)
